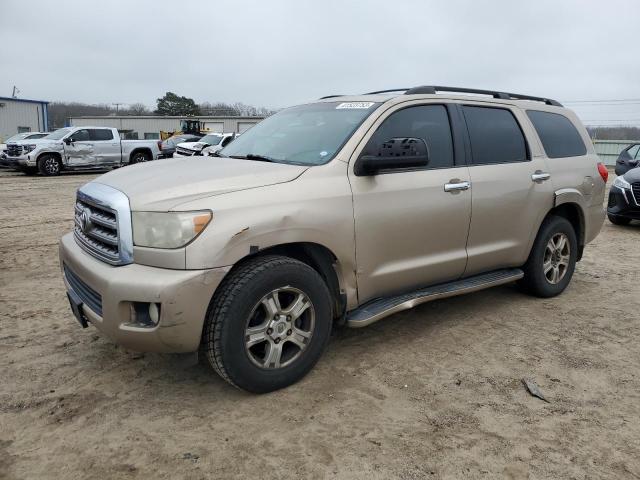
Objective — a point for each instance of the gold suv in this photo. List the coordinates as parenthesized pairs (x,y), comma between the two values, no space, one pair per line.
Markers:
(339,211)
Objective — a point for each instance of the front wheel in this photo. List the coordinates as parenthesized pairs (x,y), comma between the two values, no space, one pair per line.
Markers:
(268,324)
(49,165)
(552,260)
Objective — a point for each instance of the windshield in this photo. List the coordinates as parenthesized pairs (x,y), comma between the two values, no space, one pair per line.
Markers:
(307,134)
(58,134)
(16,137)
(211,139)
(36,135)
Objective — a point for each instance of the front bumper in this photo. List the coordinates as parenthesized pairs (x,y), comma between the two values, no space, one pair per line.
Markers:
(15,162)
(183,296)
(622,203)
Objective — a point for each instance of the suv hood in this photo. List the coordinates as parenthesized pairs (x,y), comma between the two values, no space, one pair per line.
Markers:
(35,141)
(164,184)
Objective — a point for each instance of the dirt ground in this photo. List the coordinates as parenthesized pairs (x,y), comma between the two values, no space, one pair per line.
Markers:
(431,393)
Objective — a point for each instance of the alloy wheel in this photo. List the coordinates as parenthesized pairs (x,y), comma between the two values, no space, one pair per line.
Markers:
(557,257)
(279,328)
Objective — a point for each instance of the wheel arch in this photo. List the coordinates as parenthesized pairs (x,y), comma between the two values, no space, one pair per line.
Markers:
(145,150)
(58,155)
(569,206)
(318,257)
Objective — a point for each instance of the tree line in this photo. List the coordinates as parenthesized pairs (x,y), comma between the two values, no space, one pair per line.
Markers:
(168,104)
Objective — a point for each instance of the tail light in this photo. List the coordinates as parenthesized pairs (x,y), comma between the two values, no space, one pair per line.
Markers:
(604,173)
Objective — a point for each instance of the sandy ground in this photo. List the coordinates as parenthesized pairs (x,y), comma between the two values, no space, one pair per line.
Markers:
(431,393)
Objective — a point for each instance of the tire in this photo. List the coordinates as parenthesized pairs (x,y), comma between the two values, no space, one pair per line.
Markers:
(139,157)
(552,260)
(49,165)
(619,220)
(245,300)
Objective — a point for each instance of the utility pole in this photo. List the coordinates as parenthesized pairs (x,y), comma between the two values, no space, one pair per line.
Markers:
(15,92)
(117,107)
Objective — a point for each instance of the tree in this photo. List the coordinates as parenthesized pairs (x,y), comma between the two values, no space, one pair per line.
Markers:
(137,109)
(172,104)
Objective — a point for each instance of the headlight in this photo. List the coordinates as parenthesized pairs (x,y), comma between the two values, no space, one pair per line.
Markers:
(29,148)
(168,230)
(621,183)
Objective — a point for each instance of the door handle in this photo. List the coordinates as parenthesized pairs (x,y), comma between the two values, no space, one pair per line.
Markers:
(456,186)
(539,176)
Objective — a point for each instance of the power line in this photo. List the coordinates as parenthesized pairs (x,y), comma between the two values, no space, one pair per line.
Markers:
(610,101)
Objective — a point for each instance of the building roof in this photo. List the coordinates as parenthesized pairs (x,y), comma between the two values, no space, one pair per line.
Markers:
(171,117)
(23,100)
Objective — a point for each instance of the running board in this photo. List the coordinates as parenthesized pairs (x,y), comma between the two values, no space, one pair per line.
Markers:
(379,308)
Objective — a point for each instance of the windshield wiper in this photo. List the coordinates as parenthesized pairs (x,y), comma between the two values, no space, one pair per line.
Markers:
(255,156)
(217,154)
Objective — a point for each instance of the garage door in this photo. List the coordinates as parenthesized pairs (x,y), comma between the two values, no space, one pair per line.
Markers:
(217,127)
(244,126)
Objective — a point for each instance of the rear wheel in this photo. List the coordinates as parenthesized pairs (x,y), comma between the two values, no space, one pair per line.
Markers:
(49,165)
(619,220)
(267,324)
(552,260)
(139,157)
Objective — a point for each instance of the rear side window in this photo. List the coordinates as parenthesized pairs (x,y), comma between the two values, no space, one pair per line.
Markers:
(495,136)
(429,122)
(101,134)
(558,135)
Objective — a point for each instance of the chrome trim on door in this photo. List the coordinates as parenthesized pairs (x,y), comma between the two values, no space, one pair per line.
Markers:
(456,187)
(539,176)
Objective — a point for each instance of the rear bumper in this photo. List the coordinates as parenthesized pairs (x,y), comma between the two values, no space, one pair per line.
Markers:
(183,296)
(622,204)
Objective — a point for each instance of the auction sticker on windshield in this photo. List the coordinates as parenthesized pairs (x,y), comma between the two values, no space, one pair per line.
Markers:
(354,105)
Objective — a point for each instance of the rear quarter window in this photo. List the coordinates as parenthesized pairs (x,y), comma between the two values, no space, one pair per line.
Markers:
(558,135)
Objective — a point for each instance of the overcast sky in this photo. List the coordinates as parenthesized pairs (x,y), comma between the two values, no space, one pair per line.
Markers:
(281,52)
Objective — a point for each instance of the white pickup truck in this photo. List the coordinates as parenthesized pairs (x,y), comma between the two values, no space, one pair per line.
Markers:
(79,148)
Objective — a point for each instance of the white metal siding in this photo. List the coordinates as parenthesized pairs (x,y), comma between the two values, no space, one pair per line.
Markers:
(14,114)
(608,150)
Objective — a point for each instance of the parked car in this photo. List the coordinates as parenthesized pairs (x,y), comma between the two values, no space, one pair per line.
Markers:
(168,147)
(340,211)
(79,148)
(624,198)
(15,138)
(210,143)
(628,159)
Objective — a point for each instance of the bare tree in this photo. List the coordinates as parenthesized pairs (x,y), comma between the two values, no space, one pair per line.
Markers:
(137,109)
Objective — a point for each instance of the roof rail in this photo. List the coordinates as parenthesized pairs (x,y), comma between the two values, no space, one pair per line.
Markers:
(425,90)
(432,90)
(387,91)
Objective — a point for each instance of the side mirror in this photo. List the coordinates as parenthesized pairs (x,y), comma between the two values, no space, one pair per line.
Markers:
(68,140)
(396,153)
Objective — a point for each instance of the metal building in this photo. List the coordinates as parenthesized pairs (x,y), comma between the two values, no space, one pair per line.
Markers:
(608,150)
(150,126)
(18,115)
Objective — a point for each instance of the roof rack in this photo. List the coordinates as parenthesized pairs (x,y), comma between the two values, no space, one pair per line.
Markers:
(502,95)
(432,90)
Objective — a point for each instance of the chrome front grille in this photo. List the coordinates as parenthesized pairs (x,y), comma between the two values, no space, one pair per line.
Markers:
(185,152)
(97,229)
(14,150)
(102,223)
